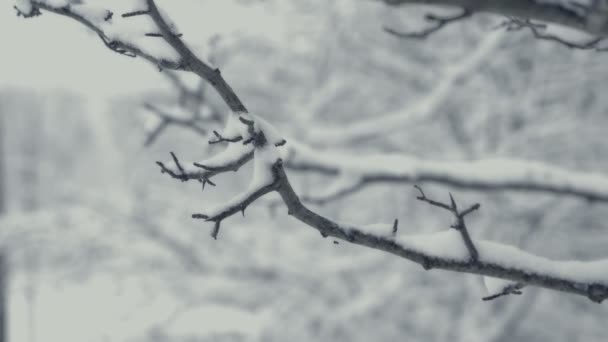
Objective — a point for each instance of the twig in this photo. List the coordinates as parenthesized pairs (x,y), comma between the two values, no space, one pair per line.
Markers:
(459,223)
(438,23)
(512,289)
(221,139)
(241,203)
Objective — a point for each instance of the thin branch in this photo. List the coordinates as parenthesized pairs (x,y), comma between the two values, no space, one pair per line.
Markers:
(516,24)
(134,13)
(438,22)
(240,203)
(207,172)
(192,63)
(119,46)
(459,223)
(221,139)
(565,13)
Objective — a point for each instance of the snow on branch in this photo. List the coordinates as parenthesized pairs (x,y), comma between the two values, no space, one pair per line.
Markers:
(448,249)
(585,15)
(360,171)
(264,181)
(438,21)
(566,37)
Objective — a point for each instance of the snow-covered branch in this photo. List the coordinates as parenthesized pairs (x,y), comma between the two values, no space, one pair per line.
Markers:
(355,172)
(446,250)
(450,249)
(585,15)
(429,104)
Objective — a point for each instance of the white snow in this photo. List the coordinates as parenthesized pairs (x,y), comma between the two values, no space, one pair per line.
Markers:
(94,14)
(264,158)
(233,127)
(270,132)
(25,6)
(378,229)
(445,244)
(490,172)
(232,153)
(496,286)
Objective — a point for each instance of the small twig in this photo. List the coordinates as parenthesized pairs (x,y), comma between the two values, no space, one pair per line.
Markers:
(459,223)
(513,289)
(439,23)
(135,13)
(423,197)
(395,227)
(221,139)
(206,181)
(115,46)
(160,35)
(167,120)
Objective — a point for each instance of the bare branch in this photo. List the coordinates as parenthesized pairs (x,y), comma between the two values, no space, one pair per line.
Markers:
(438,21)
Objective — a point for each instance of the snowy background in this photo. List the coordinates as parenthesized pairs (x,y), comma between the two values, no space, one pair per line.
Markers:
(102,247)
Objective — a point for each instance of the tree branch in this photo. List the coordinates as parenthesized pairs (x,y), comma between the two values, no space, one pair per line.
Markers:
(515,175)
(442,250)
(515,24)
(566,13)
(438,21)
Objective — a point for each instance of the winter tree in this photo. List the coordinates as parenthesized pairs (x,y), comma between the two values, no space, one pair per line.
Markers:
(284,159)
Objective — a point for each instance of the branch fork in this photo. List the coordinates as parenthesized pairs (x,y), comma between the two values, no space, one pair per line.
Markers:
(459,223)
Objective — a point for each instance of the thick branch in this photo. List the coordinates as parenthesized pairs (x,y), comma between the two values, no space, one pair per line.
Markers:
(495,260)
(191,62)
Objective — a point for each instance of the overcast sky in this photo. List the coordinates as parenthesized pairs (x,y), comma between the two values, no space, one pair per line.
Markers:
(50,51)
